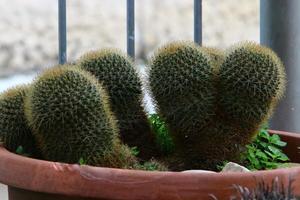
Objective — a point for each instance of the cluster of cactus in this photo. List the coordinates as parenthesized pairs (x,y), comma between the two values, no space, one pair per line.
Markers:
(82,113)
(214,102)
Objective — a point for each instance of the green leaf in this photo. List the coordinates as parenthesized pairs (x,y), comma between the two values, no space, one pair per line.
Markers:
(274,150)
(265,152)
(164,139)
(20,150)
(283,157)
(254,161)
(270,165)
(251,153)
(264,134)
(263,144)
(272,156)
(81,161)
(261,155)
(275,139)
(281,143)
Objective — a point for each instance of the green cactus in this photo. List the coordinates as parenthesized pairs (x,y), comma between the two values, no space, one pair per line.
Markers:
(14,131)
(213,103)
(117,74)
(70,115)
(181,80)
(252,80)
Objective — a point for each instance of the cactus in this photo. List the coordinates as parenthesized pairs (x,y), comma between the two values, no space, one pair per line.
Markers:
(14,131)
(181,80)
(214,104)
(117,74)
(70,115)
(252,80)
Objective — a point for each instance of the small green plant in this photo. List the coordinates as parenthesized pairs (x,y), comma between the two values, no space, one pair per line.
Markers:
(152,165)
(163,137)
(265,152)
(81,161)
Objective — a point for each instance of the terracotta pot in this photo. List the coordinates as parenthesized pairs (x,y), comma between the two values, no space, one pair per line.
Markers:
(30,179)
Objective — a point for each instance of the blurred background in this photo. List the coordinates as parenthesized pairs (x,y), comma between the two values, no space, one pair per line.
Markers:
(29,35)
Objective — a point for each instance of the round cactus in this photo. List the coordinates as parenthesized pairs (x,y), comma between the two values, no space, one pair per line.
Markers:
(117,74)
(14,131)
(70,115)
(252,80)
(181,81)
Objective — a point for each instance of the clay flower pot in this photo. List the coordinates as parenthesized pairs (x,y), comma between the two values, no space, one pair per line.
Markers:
(30,179)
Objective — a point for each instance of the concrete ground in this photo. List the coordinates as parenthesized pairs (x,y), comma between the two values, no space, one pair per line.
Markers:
(3,192)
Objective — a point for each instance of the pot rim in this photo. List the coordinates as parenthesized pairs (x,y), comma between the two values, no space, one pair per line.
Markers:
(108,183)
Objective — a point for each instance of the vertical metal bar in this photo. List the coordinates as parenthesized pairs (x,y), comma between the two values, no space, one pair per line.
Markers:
(62,32)
(198,21)
(130,28)
(280,30)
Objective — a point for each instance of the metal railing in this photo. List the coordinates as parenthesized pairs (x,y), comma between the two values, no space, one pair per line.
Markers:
(62,32)
(274,15)
(62,28)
